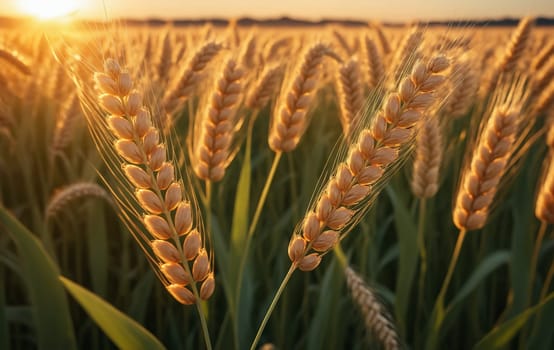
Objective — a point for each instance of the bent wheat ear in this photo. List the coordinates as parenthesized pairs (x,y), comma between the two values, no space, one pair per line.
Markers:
(376,318)
(156,189)
(370,159)
(77,191)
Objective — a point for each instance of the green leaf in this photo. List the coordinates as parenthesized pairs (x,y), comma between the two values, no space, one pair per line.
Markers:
(242,201)
(122,330)
(407,262)
(50,308)
(4,333)
(501,335)
(491,263)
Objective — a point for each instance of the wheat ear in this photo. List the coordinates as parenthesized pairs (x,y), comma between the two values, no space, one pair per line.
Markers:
(165,58)
(376,317)
(544,56)
(184,86)
(212,153)
(15,61)
(512,54)
(351,92)
(70,194)
(375,66)
(369,158)
(169,215)
(428,158)
(405,53)
(65,125)
(544,101)
(542,78)
(383,41)
(264,88)
(489,162)
(343,42)
(544,207)
(461,98)
(289,120)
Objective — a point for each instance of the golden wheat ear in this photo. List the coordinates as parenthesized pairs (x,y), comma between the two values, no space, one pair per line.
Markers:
(289,120)
(212,148)
(350,93)
(356,180)
(15,60)
(503,129)
(156,203)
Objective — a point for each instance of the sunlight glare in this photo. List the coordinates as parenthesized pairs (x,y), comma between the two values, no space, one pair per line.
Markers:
(49,9)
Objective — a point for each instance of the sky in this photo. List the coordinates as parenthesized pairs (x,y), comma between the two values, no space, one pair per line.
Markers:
(387,10)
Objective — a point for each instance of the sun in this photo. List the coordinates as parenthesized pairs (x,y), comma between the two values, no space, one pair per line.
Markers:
(49,9)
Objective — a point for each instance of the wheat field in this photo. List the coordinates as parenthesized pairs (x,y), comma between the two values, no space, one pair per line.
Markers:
(234,187)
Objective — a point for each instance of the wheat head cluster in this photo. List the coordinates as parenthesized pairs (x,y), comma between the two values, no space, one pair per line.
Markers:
(190,132)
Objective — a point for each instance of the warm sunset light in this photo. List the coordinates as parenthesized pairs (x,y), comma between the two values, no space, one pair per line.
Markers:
(49,9)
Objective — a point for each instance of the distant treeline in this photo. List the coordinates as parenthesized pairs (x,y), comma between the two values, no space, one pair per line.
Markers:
(288,22)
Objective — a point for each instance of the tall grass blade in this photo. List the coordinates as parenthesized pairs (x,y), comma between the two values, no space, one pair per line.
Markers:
(122,330)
